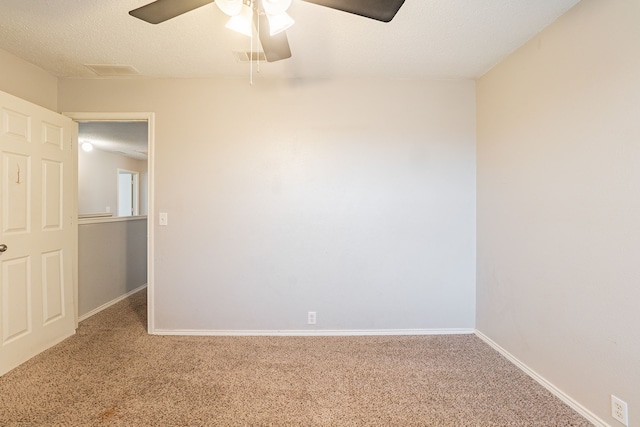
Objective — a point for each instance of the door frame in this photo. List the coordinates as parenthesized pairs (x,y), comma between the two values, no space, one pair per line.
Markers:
(149,117)
(135,191)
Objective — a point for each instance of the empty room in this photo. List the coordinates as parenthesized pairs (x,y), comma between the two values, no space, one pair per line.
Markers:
(346,212)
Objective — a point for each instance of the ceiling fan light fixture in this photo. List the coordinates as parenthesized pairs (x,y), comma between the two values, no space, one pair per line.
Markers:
(230,7)
(279,23)
(276,7)
(242,22)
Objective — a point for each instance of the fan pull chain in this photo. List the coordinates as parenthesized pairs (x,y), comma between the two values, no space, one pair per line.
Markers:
(257,48)
(251,53)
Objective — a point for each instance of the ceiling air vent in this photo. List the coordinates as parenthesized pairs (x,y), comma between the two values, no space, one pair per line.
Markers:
(106,70)
(249,56)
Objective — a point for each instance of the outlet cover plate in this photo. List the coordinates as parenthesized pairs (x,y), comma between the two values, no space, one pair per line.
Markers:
(311,318)
(619,410)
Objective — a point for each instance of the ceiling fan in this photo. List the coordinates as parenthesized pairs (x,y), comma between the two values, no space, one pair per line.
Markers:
(274,44)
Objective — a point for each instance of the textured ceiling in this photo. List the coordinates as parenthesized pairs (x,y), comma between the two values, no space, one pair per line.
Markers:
(427,39)
(125,138)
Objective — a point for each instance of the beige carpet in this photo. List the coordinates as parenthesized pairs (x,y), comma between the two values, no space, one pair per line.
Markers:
(112,373)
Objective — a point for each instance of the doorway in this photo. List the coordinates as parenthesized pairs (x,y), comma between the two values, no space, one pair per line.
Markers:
(131,190)
(128,193)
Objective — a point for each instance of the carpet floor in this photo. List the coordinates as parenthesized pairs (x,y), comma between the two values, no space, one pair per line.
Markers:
(112,373)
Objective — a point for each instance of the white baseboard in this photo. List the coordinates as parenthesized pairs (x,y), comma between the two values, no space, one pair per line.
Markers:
(590,416)
(110,303)
(313,333)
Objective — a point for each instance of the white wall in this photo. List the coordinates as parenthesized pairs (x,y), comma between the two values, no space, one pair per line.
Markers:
(559,204)
(98,180)
(352,198)
(24,80)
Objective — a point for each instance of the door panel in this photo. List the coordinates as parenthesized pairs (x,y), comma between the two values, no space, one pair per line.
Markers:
(36,284)
(53,135)
(16,125)
(52,182)
(52,286)
(16,299)
(16,200)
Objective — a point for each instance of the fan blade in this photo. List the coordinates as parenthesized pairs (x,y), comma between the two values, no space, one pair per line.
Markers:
(380,10)
(162,10)
(275,47)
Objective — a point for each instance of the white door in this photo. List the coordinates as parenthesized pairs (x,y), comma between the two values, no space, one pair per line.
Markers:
(36,230)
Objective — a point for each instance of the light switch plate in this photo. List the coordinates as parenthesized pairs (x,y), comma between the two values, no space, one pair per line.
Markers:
(163,219)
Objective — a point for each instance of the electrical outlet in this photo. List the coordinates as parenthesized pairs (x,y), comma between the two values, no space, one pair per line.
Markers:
(311,318)
(619,410)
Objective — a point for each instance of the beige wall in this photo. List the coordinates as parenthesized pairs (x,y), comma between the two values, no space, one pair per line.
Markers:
(351,198)
(98,183)
(559,204)
(24,80)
